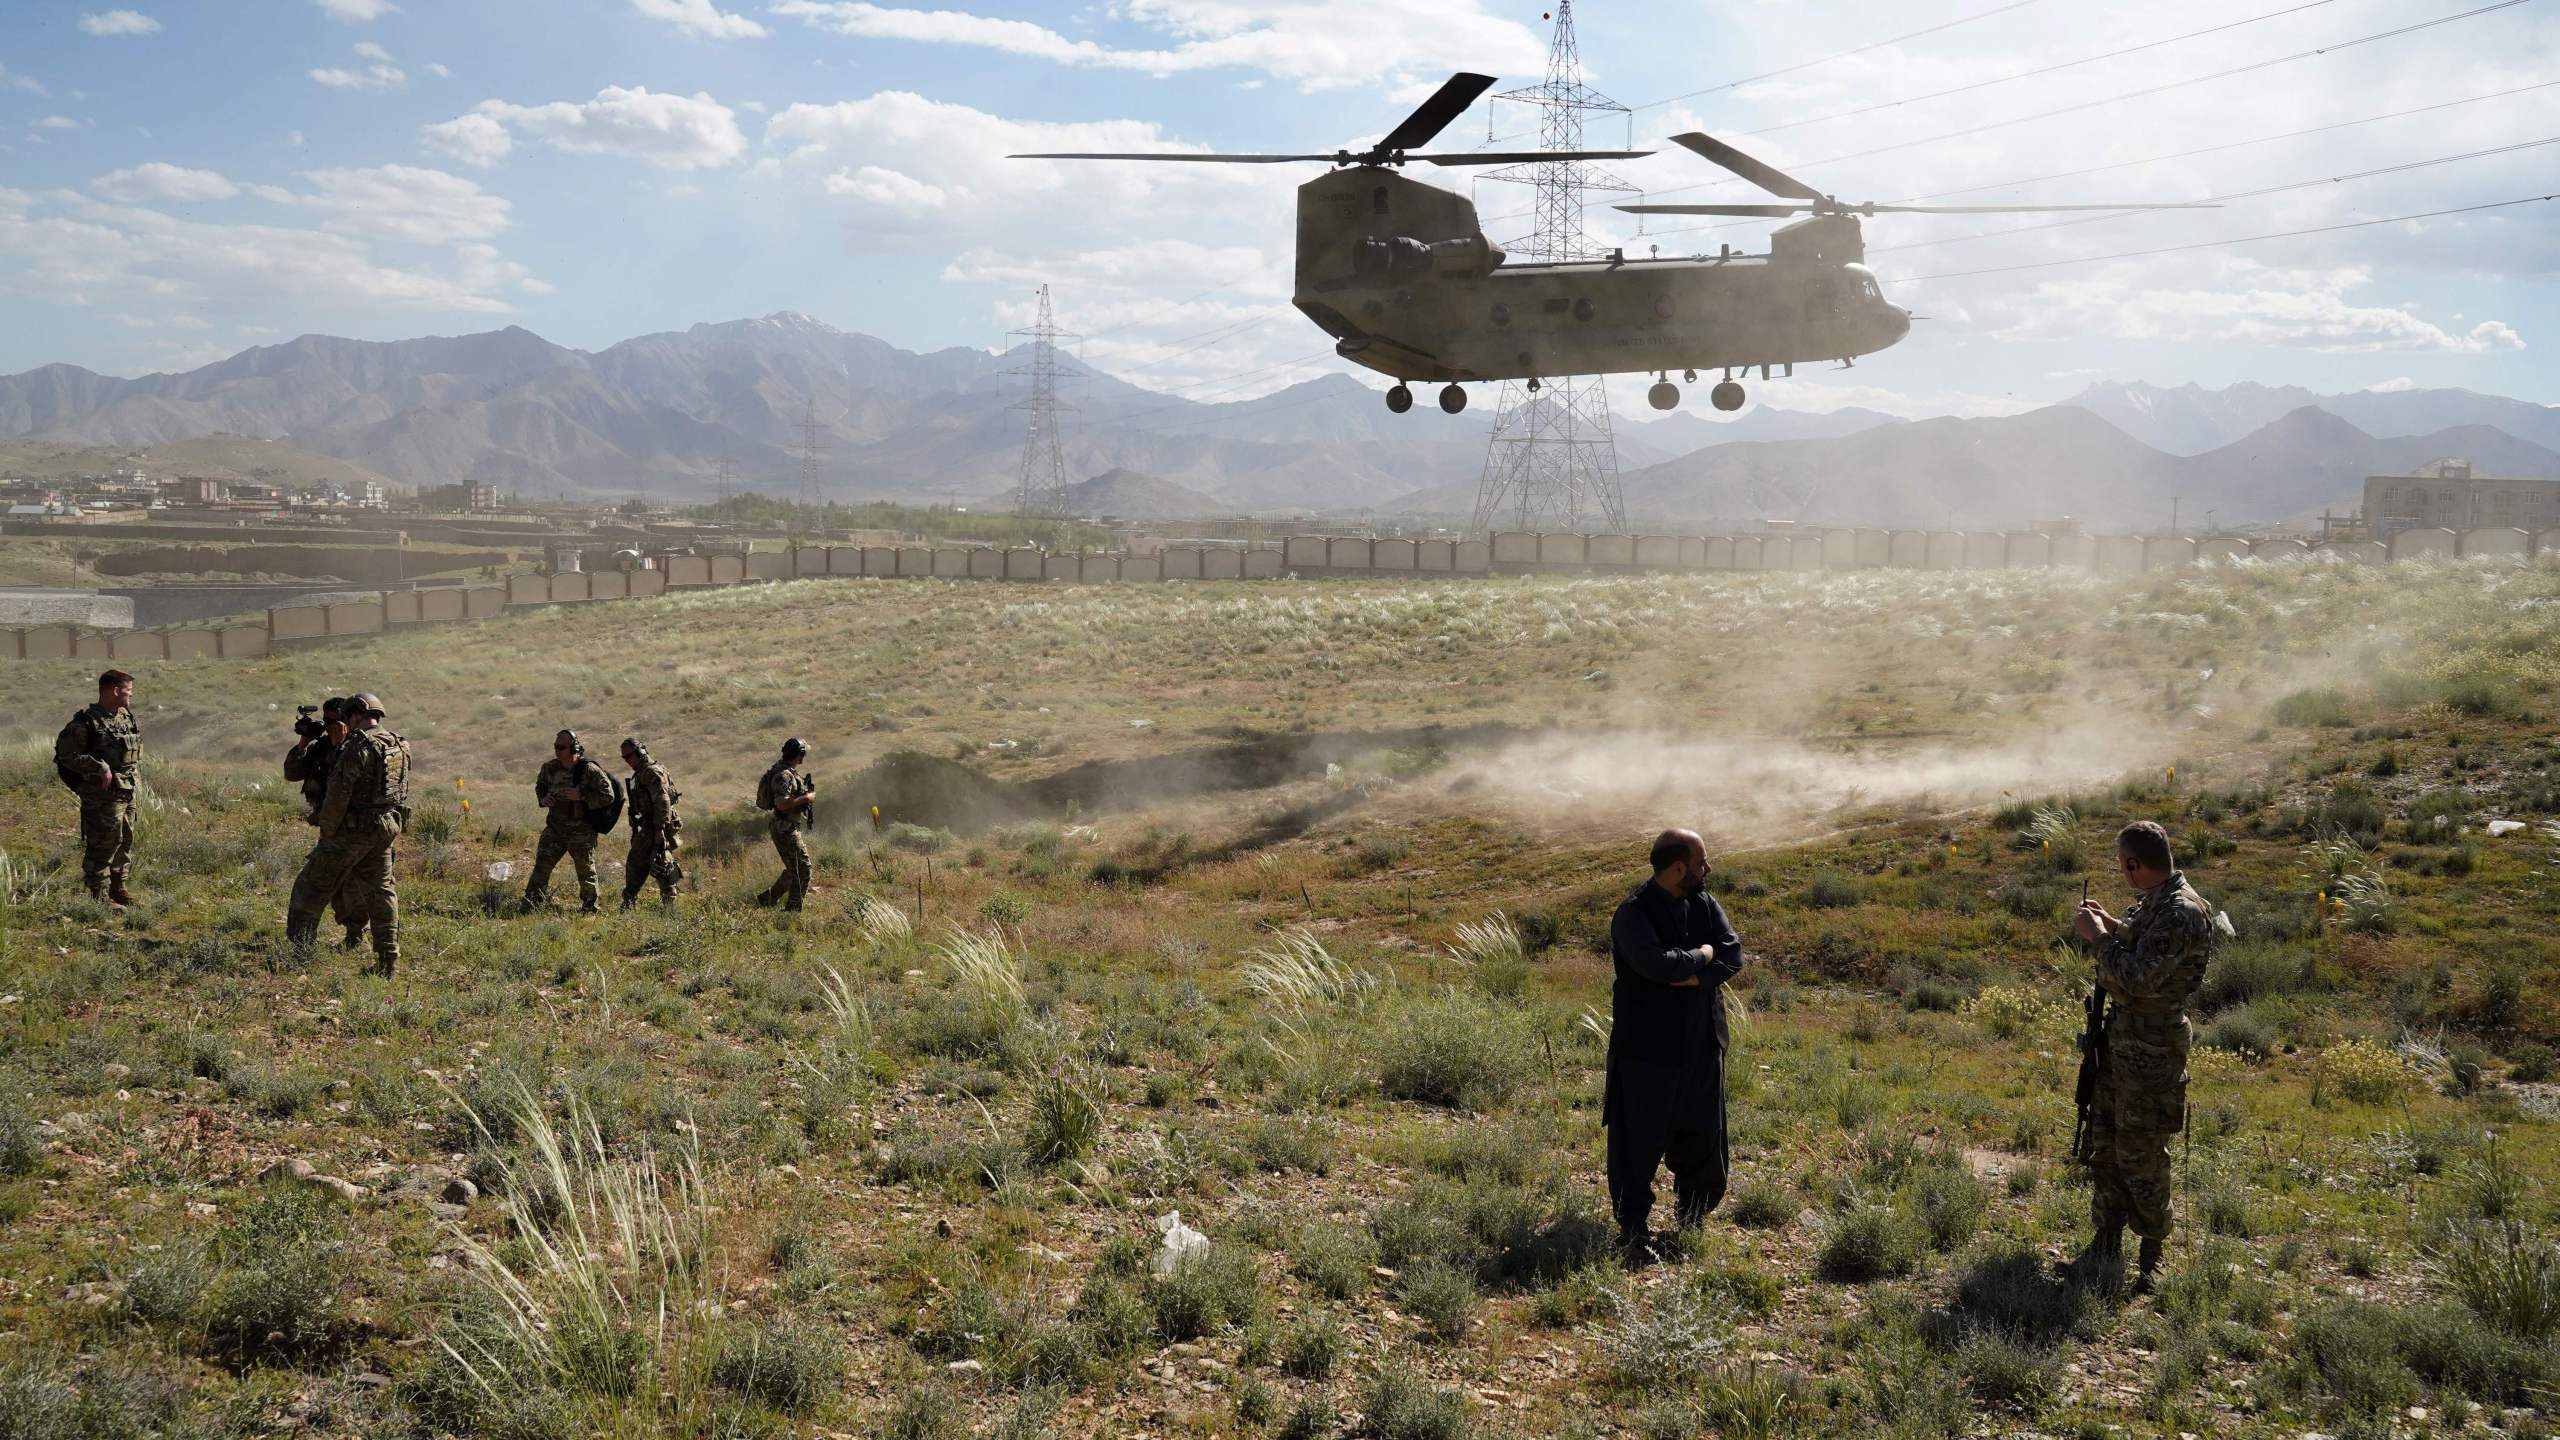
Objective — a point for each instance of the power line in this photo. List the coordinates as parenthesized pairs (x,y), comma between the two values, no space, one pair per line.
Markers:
(1841,55)
(2313,183)
(2042,69)
(2228,240)
(2145,92)
(1220,334)
(2155,159)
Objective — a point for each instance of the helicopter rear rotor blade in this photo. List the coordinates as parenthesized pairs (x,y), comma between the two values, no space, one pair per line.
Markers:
(1757,212)
(1433,115)
(1526,157)
(1767,177)
(2020,209)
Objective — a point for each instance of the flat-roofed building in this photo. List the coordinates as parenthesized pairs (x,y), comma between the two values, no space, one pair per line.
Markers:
(2445,494)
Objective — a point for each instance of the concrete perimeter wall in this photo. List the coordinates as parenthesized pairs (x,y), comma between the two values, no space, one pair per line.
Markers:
(1503,552)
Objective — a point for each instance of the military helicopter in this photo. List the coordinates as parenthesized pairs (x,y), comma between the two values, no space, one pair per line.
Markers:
(1401,274)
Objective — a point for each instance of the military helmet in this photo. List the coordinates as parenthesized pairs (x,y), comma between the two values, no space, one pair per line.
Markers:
(793,747)
(333,704)
(570,739)
(631,746)
(364,703)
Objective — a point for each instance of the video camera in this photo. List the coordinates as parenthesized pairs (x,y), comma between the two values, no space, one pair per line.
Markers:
(306,721)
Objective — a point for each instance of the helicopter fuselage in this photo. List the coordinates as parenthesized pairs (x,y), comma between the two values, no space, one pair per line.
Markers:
(1401,275)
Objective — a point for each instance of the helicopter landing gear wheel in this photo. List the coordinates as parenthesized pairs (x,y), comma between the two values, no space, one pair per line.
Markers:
(1726,396)
(1663,395)
(1452,399)
(1399,399)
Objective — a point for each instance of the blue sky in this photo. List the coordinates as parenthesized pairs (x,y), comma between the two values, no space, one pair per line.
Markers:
(181,180)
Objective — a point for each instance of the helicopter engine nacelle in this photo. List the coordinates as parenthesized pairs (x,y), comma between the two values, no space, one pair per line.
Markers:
(1395,259)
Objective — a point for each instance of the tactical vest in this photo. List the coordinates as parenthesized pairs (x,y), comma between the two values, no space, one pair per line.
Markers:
(391,780)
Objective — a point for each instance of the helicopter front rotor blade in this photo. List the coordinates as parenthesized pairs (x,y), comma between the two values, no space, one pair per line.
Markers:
(1767,177)
(1757,212)
(1526,157)
(1433,115)
(1199,158)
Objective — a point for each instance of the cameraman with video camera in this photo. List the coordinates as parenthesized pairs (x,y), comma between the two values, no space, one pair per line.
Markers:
(317,745)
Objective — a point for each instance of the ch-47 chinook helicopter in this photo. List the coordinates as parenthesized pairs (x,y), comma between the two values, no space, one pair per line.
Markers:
(1401,275)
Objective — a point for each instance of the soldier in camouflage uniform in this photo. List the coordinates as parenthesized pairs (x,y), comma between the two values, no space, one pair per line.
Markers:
(361,817)
(656,830)
(569,786)
(788,794)
(2149,964)
(99,755)
(307,764)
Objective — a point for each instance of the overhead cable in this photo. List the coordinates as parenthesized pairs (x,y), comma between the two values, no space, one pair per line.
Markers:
(2228,240)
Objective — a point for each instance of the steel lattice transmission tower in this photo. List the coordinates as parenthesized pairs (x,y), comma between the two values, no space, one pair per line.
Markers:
(812,449)
(1553,460)
(1042,489)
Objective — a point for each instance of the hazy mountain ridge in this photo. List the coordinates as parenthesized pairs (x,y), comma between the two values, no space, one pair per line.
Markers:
(2190,420)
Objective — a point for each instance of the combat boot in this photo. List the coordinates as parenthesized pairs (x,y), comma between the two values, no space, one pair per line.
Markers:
(354,937)
(2100,1267)
(2149,1266)
(118,895)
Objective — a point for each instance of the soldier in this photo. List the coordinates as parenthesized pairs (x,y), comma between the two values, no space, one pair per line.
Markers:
(788,794)
(569,786)
(1664,1096)
(361,817)
(99,755)
(2149,963)
(656,830)
(307,764)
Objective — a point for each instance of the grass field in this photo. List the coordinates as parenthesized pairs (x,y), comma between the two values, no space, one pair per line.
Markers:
(1283,906)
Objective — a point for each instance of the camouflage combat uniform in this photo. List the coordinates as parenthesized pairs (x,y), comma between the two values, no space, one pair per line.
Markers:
(2148,967)
(307,765)
(785,782)
(565,830)
(656,835)
(102,749)
(366,808)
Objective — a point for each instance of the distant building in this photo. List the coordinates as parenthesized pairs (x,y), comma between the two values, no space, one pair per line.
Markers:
(191,490)
(2445,494)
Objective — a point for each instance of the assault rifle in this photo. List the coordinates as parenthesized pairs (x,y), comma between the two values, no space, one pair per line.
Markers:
(2093,1046)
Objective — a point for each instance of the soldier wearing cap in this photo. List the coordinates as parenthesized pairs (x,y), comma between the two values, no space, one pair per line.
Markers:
(656,830)
(99,756)
(788,794)
(568,787)
(361,816)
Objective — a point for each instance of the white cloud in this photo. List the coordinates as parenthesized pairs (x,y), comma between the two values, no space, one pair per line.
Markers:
(57,122)
(437,69)
(159,180)
(119,22)
(2252,305)
(26,84)
(472,139)
(679,132)
(378,72)
(66,249)
(699,18)
(2393,386)
(1315,44)
(293,138)
(355,12)
(404,202)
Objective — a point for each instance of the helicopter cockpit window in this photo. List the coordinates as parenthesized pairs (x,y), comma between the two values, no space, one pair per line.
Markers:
(1867,288)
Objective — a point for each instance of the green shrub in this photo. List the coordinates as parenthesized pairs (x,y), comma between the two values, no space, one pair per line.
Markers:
(2350,810)
(2246,970)
(1066,1121)
(1312,1418)
(1333,1259)
(1832,890)
(2001,1371)
(1951,1203)
(166,1288)
(1763,1205)
(2372,1358)
(278,1291)
(2530,1064)
(21,1148)
(1312,1348)
(2241,1031)
(1208,1291)
(2010,1292)
(1871,1242)
(1279,1146)
(1396,1404)
(1439,1294)
(2322,708)
(1455,1051)
(1114,1317)
(2507,1275)
(787,1365)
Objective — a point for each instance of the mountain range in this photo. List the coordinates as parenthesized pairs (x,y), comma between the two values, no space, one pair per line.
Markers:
(680,413)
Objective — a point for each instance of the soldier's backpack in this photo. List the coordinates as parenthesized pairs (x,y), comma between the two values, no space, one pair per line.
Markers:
(603,821)
(71,779)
